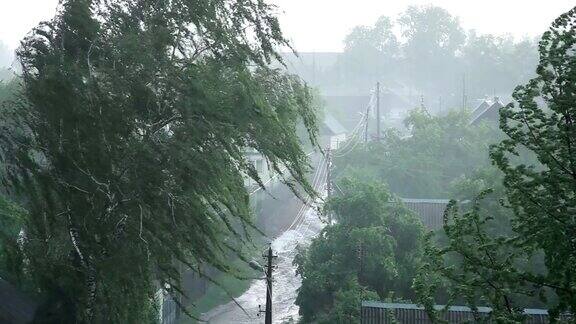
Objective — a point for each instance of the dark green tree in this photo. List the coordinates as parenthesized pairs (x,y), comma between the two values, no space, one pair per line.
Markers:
(543,195)
(372,252)
(519,251)
(476,261)
(129,149)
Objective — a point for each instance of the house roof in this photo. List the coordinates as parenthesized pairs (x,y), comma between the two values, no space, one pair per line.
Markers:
(486,103)
(333,126)
(487,111)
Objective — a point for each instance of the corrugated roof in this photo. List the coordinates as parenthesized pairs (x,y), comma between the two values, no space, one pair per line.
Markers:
(414,306)
(431,211)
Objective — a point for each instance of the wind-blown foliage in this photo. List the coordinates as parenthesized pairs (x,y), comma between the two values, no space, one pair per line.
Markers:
(136,118)
(371,253)
(530,257)
(543,197)
(479,263)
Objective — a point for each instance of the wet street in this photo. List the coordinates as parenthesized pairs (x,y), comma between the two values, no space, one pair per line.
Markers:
(285,282)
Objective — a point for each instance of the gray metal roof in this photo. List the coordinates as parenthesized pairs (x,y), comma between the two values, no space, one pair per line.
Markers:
(485,111)
(480,109)
(414,306)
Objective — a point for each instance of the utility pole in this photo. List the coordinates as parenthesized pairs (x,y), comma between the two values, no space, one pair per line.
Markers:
(378,111)
(366,122)
(268,317)
(464,91)
(360,261)
(328,180)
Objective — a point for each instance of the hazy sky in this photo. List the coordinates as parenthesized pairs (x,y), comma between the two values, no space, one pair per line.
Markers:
(320,25)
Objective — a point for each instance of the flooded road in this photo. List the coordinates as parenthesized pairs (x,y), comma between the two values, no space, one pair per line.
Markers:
(285,282)
(306,225)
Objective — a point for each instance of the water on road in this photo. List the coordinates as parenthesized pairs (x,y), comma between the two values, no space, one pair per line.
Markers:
(285,282)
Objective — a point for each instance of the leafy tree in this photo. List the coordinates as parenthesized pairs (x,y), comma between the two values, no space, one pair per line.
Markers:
(11,216)
(371,252)
(346,301)
(129,149)
(496,63)
(371,54)
(432,38)
(533,257)
(543,196)
(431,58)
(478,263)
(9,90)
(437,151)
(11,221)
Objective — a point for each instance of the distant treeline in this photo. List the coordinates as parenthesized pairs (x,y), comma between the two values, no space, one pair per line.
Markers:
(426,52)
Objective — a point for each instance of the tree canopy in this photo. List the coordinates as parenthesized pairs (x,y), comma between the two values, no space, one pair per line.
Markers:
(542,195)
(376,45)
(128,149)
(422,164)
(371,253)
(517,250)
(432,38)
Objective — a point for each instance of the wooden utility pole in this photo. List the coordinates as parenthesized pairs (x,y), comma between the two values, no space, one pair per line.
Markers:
(268,271)
(360,262)
(366,125)
(464,99)
(378,111)
(268,318)
(328,179)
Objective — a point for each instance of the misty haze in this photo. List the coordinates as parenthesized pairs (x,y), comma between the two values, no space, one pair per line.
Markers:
(287,161)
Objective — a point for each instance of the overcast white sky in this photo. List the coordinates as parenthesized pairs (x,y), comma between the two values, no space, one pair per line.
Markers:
(320,25)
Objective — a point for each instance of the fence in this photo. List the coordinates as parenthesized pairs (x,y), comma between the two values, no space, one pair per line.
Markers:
(383,313)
